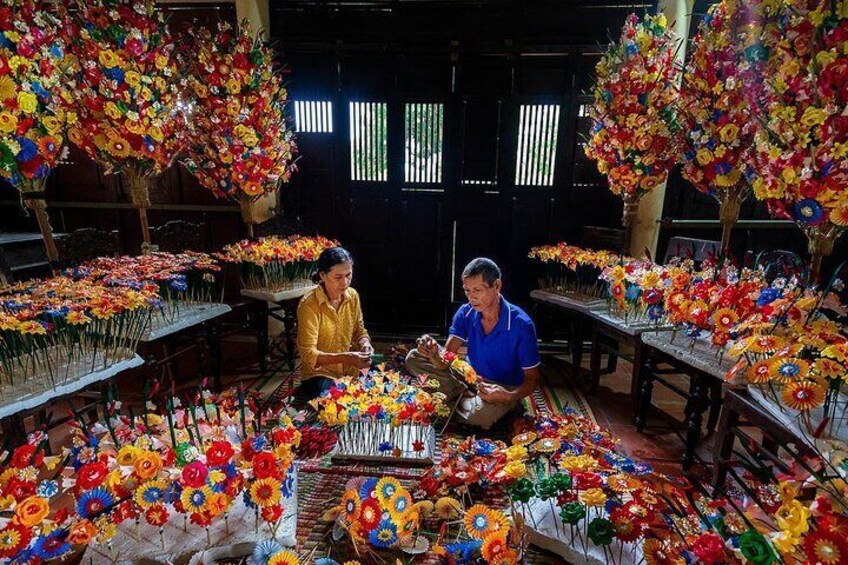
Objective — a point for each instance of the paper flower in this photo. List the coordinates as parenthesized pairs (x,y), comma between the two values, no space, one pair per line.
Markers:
(240,145)
(633,110)
(124,89)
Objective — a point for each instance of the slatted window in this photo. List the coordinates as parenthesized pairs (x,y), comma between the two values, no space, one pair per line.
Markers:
(313,116)
(537,141)
(424,142)
(368,135)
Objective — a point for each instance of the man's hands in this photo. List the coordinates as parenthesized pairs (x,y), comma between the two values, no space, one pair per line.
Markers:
(429,347)
(494,394)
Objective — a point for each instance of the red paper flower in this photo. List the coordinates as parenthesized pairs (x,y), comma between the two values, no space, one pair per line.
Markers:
(194,474)
(265,466)
(91,475)
(709,547)
(272,513)
(219,453)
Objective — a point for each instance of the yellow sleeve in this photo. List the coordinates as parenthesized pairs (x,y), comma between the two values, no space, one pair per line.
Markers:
(308,325)
(359,330)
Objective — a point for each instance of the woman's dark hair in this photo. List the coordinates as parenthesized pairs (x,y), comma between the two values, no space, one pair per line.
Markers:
(329,258)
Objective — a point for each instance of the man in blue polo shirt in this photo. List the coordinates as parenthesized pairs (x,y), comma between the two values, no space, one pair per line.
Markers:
(502,349)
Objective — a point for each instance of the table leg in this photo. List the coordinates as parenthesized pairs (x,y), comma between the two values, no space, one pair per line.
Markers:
(290,325)
(262,337)
(637,370)
(213,340)
(694,419)
(595,359)
(715,405)
(576,343)
(723,449)
(646,393)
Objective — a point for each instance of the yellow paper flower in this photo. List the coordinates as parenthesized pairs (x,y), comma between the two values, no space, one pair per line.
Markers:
(593,497)
(447,508)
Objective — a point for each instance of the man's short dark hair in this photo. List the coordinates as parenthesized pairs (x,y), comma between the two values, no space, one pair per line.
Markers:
(483,266)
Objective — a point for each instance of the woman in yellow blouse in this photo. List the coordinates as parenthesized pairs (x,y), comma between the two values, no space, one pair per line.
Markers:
(331,335)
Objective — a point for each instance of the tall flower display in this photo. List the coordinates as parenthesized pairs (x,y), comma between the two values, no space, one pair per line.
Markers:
(633,111)
(240,145)
(124,90)
(32,60)
(801,146)
(719,128)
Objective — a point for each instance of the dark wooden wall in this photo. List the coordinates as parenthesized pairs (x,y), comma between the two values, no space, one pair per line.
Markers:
(482,60)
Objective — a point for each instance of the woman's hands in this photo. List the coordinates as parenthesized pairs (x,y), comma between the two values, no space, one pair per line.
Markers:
(358,359)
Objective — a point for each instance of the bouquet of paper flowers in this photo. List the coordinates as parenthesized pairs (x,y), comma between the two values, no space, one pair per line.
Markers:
(56,330)
(32,127)
(486,535)
(274,263)
(636,291)
(213,459)
(240,145)
(124,90)
(801,170)
(183,279)
(719,128)
(381,416)
(573,271)
(796,364)
(380,514)
(633,139)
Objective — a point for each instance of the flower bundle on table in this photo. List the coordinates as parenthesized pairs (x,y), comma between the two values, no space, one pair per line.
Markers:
(182,278)
(381,415)
(32,63)
(801,145)
(471,463)
(379,513)
(275,263)
(240,145)
(572,270)
(633,110)
(719,128)
(636,291)
(799,362)
(57,329)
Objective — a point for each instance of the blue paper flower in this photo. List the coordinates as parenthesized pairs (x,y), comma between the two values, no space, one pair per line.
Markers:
(52,545)
(808,211)
(386,446)
(263,551)
(92,502)
(384,535)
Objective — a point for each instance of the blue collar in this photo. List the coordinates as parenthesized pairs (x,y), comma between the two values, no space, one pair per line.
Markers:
(503,317)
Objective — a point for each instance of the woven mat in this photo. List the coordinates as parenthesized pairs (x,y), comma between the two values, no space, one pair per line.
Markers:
(318,491)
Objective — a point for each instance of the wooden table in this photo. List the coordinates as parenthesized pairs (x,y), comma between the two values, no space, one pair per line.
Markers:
(15,406)
(284,309)
(576,313)
(706,373)
(740,410)
(609,333)
(190,315)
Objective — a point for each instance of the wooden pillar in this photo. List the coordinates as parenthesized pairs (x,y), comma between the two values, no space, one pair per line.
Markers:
(256,16)
(647,228)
